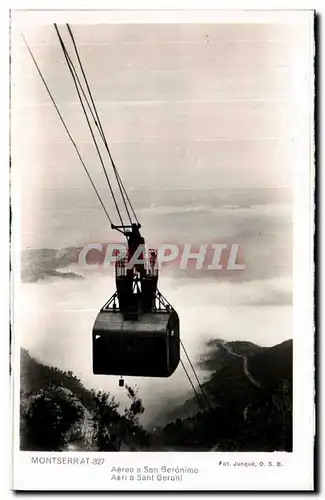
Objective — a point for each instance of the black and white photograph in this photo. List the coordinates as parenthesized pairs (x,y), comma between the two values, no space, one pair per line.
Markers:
(156,171)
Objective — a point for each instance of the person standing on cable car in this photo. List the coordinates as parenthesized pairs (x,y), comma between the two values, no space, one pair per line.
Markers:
(135,240)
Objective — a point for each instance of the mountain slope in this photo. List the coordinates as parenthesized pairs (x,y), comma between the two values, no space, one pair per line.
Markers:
(57,413)
(250,392)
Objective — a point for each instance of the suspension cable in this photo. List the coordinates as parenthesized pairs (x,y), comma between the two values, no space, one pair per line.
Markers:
(101,130)
(69,64)
(197,379)
(191,364)
(97,122)
(127,197)
(66,129)
(194,390)
(100,127)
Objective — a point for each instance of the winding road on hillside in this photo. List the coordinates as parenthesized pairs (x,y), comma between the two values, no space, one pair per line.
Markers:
(250,377)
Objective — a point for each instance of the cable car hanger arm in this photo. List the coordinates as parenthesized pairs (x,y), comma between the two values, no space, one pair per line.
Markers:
(123,229)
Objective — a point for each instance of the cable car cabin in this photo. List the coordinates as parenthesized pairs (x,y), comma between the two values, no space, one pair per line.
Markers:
(136,333)
(147,347)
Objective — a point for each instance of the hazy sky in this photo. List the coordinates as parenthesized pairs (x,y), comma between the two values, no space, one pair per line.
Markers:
(192,106)
(213,109)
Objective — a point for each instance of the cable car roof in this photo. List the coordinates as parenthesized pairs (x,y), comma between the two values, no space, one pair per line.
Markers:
(150,322)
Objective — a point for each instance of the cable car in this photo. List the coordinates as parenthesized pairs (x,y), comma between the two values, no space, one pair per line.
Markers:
(136,333)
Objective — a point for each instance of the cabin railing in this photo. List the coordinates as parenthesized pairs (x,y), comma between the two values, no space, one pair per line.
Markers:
(149,263)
